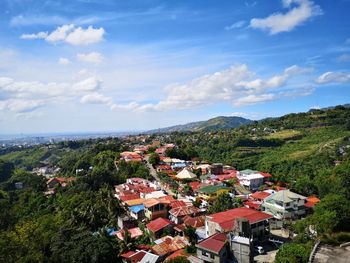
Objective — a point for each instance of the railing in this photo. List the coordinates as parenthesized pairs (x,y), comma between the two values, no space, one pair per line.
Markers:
(314,251)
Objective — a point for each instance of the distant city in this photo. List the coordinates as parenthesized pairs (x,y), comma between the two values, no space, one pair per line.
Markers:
(23,140)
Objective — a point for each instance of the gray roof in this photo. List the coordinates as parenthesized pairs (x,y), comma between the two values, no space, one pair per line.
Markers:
(285,196)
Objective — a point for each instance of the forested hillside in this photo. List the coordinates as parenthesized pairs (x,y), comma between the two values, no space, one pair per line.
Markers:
(294,148)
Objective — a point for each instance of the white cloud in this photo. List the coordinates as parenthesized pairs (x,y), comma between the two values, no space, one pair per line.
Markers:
(254,99)
(20,105)
(284,22)
(236,25)
(333,77)
(96,98)
(87,85)
(237,85)
(344,58)
(40,35)
(24,96)
(87,36)
(70,34)
(63,61)
(93,57)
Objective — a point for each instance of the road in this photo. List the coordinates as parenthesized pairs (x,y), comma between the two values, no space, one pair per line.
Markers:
(154,174)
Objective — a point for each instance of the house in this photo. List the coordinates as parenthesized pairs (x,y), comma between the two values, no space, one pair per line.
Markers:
(134,233)
(213,249)
(137,211)
(158,226)
(62,181)
(212,191)
(252,181)
(227,221)
(259,196)
(178,213)
(167,245)
(139,257)
(155,208)
(131,156)
(194,222)
(284,205)
(185,174)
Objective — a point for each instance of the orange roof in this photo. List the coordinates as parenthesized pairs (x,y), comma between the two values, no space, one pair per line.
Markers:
(260,195)
(135,202)
(313,199)
(169,245)
(134,233)
(153,202)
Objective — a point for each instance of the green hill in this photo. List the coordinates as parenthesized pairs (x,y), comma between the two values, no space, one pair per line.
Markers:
(217,123)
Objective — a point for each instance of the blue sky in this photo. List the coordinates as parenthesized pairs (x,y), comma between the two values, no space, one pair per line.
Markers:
(90,65)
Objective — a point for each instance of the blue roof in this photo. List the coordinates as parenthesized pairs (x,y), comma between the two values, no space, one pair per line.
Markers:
(179,165)
(137,208)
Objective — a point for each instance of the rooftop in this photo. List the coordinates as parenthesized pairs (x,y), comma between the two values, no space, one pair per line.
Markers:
(226,219)
(158,224)
(214,243)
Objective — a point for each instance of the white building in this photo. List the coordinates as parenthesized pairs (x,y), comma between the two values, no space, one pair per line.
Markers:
(251,181)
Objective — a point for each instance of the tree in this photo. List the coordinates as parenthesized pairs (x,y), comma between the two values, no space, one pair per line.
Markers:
(180,259)
(292,253)
(154,158)
(6,169)
(224,202)
(190,232)
(332,214)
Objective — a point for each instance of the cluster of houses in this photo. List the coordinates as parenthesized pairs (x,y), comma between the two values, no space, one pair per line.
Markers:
(228,235)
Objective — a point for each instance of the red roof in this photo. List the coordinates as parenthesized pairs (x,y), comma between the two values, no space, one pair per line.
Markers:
(260,195)
(214,243)
(252,204)
(184,210)
(266,175)
(177,203)
(138,256)
(158,224)
(128,254)
(179,253)
(134,233)
(130,197)
(194,221)
(195,185)
(226,219)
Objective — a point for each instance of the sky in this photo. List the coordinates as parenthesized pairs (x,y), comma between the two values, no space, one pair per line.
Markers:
(116,65)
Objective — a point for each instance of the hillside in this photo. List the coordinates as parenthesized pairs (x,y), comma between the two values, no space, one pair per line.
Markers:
(217,123)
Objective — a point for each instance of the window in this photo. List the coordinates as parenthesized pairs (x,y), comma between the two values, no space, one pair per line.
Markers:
(204,253)
(212,256)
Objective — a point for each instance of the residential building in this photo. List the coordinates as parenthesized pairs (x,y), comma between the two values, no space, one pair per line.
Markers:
(252,181)
(178,213)
(284,205)
(213,249)
(155,208)
(158,226)
(227,221)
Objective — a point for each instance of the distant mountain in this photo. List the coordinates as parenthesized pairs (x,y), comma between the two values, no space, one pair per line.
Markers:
(216,123)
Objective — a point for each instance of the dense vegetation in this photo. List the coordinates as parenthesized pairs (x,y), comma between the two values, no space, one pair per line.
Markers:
(71,225)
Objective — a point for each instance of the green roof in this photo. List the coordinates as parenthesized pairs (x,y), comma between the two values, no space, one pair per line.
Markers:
(212,189)
(248,171)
